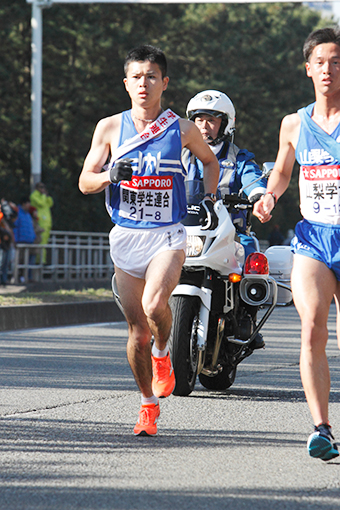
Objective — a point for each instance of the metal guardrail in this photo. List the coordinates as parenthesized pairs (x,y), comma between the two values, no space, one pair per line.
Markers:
(70,257)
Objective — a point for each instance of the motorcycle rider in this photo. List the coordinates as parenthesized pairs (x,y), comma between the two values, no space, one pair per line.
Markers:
(214,115)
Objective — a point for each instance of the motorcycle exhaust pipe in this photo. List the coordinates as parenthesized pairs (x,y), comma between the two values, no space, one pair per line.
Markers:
(254,290)
(219,336)
(212,370)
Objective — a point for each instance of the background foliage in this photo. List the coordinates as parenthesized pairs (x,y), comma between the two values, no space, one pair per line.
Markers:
(253,52)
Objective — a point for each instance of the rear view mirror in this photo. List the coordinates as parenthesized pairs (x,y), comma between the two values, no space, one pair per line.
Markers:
(266,171)
(267,168)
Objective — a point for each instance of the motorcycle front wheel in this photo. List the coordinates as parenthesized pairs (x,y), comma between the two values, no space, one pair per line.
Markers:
(221,381)
(183,342)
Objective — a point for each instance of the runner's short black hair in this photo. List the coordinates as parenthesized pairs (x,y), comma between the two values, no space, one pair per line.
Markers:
(321,36)
(147,52)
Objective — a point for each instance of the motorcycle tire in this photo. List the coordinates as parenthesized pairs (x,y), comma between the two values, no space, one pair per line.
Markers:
(221,381)
(183,342)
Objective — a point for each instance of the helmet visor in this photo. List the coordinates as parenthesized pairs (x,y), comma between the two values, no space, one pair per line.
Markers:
(195,113)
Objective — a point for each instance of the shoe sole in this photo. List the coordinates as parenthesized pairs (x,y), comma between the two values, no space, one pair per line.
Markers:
(332,454)
(163,395)
(321,448)
(144,433)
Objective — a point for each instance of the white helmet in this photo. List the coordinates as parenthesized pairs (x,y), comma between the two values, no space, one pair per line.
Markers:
(213,102)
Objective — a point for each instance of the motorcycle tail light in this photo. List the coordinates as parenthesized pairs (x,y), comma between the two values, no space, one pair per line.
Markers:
(234,277)
(256,263)
(195,246)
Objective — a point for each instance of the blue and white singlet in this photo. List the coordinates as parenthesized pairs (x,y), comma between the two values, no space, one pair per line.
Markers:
(155,196)
(319,179)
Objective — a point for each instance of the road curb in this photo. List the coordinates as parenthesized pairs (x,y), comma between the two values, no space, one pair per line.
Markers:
(60,314)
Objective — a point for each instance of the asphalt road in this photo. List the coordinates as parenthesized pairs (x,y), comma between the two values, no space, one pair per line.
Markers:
(68,405)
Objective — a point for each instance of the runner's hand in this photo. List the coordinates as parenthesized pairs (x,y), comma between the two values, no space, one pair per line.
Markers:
(263,208)
(208,217)
(121,171)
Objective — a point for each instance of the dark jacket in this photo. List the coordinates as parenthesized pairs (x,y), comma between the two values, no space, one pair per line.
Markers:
(23,227)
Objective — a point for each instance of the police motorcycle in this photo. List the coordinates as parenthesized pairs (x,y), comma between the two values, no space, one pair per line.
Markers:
(216,302)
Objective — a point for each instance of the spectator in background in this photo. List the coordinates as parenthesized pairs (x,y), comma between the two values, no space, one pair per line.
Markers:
(6,239)
(24,229)
(43,202)
(276,238)
(10,212)
(37,229)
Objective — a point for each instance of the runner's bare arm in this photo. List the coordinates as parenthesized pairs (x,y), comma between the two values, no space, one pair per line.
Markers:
(280,177)
(192,140)
(105,138)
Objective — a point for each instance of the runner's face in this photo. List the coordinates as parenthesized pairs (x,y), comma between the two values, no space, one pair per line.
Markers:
(144,83)
(208,125)
(324,68)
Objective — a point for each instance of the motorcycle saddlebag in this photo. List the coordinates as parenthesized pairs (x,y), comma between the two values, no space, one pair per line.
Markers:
(280,260)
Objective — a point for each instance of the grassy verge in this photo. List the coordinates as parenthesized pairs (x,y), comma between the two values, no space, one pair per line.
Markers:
(59,296)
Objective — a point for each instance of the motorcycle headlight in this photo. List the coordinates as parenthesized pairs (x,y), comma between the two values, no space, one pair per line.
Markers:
(195,246)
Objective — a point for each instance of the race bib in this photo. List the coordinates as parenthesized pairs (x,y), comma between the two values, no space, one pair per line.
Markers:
(319,192)
(147,198)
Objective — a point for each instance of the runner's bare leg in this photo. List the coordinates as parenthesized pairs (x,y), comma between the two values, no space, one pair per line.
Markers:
(139,342)
(313,286)
(161,278)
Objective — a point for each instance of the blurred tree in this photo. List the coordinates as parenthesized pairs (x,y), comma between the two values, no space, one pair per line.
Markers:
(15,93)
(252,52)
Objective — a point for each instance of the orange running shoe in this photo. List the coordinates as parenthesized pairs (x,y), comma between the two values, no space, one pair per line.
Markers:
(163,381)
(147,420)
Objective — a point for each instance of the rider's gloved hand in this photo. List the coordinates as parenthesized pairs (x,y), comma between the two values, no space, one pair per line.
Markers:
(121,171)
(255,198)
(208,217)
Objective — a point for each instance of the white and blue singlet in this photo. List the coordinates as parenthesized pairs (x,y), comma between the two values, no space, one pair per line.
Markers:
(155,196)
(318,234)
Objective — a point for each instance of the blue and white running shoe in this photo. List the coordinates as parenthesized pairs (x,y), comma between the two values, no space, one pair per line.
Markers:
(321,445)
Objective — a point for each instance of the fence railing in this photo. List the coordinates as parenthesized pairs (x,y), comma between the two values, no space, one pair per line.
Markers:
(68,257)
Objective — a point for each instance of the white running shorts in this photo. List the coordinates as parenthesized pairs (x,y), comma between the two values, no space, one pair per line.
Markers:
(133,249)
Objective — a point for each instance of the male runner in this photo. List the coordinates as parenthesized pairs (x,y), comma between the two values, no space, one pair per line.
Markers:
(311,137)
(146,201)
